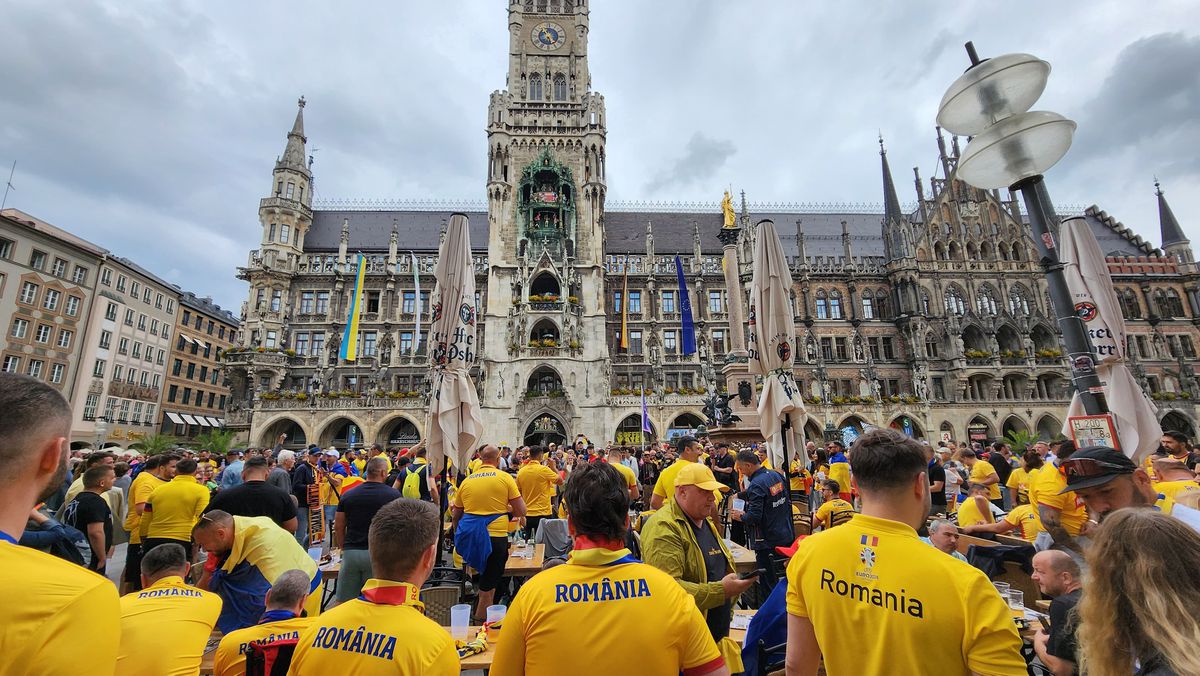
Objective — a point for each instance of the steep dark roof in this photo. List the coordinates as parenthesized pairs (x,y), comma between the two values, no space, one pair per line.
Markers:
(625,230)
(1169,227)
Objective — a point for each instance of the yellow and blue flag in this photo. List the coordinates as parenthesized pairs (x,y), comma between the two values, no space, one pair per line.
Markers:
(350,339)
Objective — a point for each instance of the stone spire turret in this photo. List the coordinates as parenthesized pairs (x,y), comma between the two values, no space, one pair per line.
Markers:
(1174,242)
(294,152)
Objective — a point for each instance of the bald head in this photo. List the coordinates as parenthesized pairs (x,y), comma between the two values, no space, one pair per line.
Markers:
(1056,572)
(377,468)
(490,455)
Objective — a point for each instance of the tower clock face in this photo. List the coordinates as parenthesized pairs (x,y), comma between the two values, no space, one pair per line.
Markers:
(548,35)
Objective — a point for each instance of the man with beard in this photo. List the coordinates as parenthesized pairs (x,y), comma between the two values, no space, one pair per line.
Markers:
(1106,481)
(58,618)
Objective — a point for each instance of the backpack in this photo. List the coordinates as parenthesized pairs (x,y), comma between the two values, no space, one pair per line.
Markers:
(271,659)
(412,482)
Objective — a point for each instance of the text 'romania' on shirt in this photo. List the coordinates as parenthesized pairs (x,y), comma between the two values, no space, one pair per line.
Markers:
(165,628)
(230,658)
(883,602)
(633,617)
(485,492)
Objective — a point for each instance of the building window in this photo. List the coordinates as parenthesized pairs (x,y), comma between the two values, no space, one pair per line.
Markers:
(110,313)
(141,322)
(134,289)
(90,405)
(835,305)
(873,346)
(158,301)
(6,248)
(106,277)
(668,301)
(129,316)
(43,333)
(37,260)
(12,363)
(172,392)
(80,275)
(371,301)
(29,292)
(939,389)
(177,367)
(118,371)
(203,373)
(635,342)
(670,342)
(535,87)
(131,376)
(406,342)
(954,302)
(868,307)
(931,346)
(635,301)
(276,300)
(272,339)
(718,341)
(889,352)
(822,305)
(35,368)
(827,349)
(616,301)
(291,190)
(408,302)
(367,343)
(122,281)
(50,301)
(56,373)
(59,269)
(306,302)
(98,368)
(318,343)
(322,302)
(839,345)
(105,339)
(123,346)
(64,339)
(302,344)
(986,302)
(1129,304)
(72,306)
(170,306)
(560,87)
(187,395)
(716,302)
(20,328)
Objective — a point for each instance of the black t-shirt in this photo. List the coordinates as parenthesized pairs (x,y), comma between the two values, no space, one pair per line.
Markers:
(725,462)
(255,498)
(1062,626)
(937,473)
(1003,468)
(714,563)
(86,508)
(360,506)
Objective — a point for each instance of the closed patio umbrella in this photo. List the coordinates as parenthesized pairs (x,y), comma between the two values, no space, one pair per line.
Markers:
(1096,303)
(454,423)
(772,345)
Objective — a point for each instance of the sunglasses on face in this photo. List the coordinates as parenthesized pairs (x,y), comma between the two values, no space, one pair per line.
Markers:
(1088,467)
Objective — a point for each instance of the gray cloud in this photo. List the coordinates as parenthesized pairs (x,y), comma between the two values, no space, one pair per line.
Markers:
(152,128)
(702,157)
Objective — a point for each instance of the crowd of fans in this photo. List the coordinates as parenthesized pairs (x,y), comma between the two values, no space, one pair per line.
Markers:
(877,537)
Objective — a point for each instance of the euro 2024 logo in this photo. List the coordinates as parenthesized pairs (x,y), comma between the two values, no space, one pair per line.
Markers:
(866,556)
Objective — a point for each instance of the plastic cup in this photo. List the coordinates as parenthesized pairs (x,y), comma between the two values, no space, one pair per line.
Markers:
(315,553)
(737,504)
(494,614)
(460,619)
(1002,587)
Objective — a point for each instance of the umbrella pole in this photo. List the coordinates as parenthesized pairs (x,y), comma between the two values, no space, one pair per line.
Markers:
(444,486)
(787,484)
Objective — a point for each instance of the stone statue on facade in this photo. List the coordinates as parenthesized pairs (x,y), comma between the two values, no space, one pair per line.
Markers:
(385,348)
(335,344)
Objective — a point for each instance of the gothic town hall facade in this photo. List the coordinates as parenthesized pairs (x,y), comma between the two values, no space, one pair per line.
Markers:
(934,320)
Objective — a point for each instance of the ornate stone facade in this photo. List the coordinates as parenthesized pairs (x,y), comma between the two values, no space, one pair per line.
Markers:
(933,319)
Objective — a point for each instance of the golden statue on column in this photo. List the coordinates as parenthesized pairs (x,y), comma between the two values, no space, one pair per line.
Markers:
(727,210)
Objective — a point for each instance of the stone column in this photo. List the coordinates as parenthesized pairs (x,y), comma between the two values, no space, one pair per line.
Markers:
(733,290)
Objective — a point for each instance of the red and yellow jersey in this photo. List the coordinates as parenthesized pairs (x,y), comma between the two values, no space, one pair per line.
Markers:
(536,483)
(1025,520)
(230,658)
(384,632)
(1047,486)
(167,608)
(485,492)
(919,606)
(607,592)
(58,618)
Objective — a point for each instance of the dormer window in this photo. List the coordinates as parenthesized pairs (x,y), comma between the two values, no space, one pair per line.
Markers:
(291,190)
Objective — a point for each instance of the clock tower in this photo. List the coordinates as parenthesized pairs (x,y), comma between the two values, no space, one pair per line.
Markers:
(547,374)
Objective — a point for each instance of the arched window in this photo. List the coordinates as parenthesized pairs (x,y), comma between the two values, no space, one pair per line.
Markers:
(1164,308)
(1016,251)
(835,305)
(560,87)
(822,305)
(939,251)
(1018,301)
(985,302)
(1129,304)
(535,87)
(954,301)
(1175,303)
(868,306)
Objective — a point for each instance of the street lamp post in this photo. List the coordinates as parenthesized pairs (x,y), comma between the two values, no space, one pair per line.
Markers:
(101,427)
(1012,147)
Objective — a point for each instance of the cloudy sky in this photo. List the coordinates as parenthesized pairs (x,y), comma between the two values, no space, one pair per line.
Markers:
(151,128)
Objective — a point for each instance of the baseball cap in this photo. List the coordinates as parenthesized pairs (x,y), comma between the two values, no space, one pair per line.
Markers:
(695,474)
(315,451)
(1094,466)
(332,452)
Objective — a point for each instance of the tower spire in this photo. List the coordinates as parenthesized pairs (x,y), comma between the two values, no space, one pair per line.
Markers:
(294,154)
(891,203)
(1174,242)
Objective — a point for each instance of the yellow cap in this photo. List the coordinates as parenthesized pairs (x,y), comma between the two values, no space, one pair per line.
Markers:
(695,474)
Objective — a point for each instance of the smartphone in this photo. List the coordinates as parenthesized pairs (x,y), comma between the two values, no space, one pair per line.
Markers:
(1045,623)
(752,574)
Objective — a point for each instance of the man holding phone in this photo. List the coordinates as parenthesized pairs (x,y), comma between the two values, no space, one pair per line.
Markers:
(681,540)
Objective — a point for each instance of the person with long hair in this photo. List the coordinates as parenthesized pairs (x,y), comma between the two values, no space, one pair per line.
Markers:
(1138,612)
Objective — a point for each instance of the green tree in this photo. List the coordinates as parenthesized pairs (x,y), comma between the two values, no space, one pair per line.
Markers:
(1020,440)
(155,443)
(217,442)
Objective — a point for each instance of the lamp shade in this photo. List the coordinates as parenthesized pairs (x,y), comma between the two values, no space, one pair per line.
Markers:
(1016,148)
(991,91)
